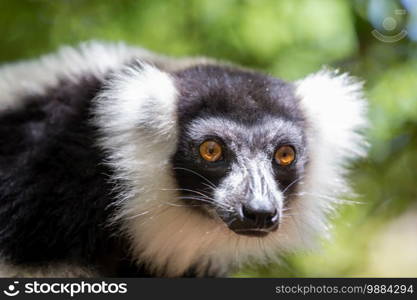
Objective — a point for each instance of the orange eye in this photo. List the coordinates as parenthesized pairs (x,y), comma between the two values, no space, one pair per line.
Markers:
(211,151)
(285,155)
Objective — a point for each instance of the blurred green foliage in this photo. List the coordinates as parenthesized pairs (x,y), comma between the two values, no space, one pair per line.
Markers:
(288,39)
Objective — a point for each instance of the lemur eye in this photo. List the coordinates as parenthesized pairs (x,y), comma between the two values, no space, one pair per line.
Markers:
(285,155)
(211,151)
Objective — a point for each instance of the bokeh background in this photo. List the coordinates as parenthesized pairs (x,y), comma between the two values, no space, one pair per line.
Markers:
(375,40)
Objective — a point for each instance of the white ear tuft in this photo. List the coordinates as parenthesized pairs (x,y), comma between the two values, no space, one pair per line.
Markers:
(335,110)
(141,97)
(136,114)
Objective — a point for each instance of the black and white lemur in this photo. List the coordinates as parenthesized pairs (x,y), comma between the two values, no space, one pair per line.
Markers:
(118,162)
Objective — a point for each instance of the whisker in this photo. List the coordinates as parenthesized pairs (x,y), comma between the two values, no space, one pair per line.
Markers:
(225,207)
(196,173)
(327,197)
(209,186)
(138,215)
(174,204)
(292,183)
(191,191)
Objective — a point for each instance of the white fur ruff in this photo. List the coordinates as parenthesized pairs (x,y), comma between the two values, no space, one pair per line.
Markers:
(139,106)
(53,270)
(136,114)
(34,77)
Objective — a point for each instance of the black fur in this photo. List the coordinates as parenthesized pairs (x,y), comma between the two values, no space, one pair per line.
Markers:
(244,97)
(240,95)
(55,194)
(53,184)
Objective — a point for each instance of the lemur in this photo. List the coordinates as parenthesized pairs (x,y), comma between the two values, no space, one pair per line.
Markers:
(115,161)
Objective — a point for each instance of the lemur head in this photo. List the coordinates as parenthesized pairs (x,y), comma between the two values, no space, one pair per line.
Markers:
(218,165)
(242,148)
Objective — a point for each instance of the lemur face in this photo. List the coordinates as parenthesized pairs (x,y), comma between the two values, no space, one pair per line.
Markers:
(207,154)
(178,157)
(242,149)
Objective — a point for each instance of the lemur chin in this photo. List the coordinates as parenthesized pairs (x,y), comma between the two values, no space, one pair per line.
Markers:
(115,161)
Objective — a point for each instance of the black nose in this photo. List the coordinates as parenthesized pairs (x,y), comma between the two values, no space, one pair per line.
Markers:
(255,220)
(260,218)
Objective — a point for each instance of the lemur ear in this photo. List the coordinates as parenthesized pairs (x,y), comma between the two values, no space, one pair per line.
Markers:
(138,97)
(137,119)
(336,113)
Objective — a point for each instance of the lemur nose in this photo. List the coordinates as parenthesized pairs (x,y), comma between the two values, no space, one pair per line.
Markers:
(259,218)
